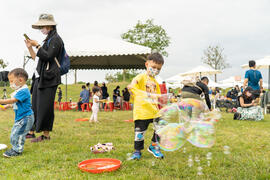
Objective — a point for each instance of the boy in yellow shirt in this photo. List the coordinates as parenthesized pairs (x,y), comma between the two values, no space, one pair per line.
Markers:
(145,91)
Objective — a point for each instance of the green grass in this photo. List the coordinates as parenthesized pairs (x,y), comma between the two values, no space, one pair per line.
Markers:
(58,158)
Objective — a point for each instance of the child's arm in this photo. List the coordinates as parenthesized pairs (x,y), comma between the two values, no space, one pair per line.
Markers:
(132,84)
(8,102)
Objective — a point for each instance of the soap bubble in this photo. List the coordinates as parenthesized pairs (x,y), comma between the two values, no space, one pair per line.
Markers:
(226,150)
(191,110)
(171,137)
(202,134)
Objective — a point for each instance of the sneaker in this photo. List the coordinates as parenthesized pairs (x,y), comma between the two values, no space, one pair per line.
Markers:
(11,153)
(40,138)
(155,150)
(136,155)
(29,136)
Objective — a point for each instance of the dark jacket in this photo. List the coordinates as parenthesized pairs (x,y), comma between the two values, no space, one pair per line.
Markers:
(203,89)
(50,77)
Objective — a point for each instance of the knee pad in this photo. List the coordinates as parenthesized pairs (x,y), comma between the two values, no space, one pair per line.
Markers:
(139,135)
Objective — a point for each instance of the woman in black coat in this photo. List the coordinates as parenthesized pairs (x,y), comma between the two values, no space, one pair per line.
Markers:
(46,77)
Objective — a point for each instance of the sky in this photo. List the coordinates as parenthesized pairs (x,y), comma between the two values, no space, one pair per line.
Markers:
(241,27)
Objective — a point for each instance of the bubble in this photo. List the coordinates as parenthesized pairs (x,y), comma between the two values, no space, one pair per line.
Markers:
(190,161)
(199,172)
(209,156)
(171,137)
(197,159)
(202,134)
(129,156)
(170,114)
(226,150)
(191,109)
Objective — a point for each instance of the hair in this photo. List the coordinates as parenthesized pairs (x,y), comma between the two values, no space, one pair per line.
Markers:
(95,83)
(156,58)
(248,89)
(83,87)
(95,89)
(87,84)
(19,72)
(205,79)
(117,87)
(251,63)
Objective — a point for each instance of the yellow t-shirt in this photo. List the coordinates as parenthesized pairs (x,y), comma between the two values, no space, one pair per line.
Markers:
(145,97)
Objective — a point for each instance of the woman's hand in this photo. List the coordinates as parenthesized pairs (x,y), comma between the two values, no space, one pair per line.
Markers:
(31,42)
(28,44)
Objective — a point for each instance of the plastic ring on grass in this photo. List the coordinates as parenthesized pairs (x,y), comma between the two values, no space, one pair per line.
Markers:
(100,165)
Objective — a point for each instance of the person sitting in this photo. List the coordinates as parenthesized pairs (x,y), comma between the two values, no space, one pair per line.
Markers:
(249,109)
(195,91)
(84,97)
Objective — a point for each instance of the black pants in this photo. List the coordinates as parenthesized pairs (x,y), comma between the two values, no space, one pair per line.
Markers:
(43,107)
(80,105)
(140,129)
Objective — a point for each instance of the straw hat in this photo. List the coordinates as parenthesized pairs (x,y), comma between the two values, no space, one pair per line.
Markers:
(44,20)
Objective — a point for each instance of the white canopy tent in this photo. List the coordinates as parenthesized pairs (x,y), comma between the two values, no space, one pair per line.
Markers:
(263,63)
(231,82)
(98,52)
(213,84)
(201,70)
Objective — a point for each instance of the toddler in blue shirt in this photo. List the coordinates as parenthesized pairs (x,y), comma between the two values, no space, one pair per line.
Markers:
(21,102)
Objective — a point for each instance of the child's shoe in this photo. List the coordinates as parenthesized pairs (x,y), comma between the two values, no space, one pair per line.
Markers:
(11,153)
(155,150)
(136,155)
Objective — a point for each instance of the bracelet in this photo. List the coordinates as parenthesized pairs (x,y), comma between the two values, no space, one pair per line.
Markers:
(37,46)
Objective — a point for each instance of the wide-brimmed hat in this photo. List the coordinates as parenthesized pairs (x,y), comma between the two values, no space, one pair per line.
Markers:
(44,20)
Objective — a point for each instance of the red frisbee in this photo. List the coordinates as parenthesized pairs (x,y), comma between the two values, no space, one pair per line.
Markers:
(129,120)
(82,119)
(100,165)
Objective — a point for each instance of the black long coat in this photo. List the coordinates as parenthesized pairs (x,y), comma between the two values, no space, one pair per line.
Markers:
(47,67)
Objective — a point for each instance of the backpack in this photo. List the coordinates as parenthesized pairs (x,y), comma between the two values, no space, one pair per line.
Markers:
(64,64)
(191,82)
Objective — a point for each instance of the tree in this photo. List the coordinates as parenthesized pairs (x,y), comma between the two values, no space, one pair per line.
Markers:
(150,35)
(119,76)
(214,57)
(146,34)
(3,64)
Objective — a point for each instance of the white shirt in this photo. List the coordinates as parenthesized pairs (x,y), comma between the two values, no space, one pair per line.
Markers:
(95,104)
(36,63)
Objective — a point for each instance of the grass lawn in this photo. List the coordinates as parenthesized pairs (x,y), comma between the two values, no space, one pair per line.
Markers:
(58,158)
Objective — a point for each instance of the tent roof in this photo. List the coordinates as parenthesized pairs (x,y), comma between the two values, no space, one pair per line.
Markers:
(98,52)
(201,70)
(260,63)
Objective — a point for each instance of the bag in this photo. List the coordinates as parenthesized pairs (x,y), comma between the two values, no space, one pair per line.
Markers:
(191,82)
(64,64)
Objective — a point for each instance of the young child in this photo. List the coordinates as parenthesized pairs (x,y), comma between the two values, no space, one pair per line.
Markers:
(95,107)
(143,87)
(24,118)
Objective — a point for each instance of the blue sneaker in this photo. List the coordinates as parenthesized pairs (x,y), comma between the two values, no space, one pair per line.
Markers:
(136,155)
(11,153)
(155,150)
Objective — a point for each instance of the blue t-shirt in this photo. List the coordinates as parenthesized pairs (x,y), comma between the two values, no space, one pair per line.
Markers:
(22,107)
(85,96)
(253,77)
